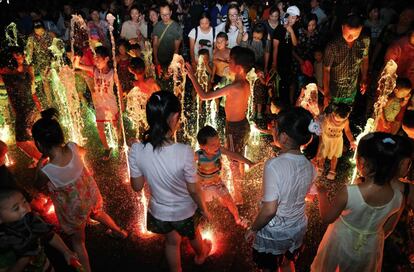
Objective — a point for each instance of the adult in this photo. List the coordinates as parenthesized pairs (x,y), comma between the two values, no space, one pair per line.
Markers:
(98,29)
(345,58)
(283,40)
(154,17)
(167,37)
(233,26)
(374,24)
(169,170)
(316,9)
(201,37)
(402,52)
(273,20)
(244,14)
(126,10)
(136,26)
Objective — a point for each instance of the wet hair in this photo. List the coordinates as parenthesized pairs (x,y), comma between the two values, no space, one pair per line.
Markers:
(342,109)
(137,65)
(408,119)
(47,130)
(159,108)
(295,123)
(203,51)
(203,15)
(353,21)
(403,83)
(383,153)
(222,35)
(102,51)
(231,6)
(38,24)
(205,133)
(243,56)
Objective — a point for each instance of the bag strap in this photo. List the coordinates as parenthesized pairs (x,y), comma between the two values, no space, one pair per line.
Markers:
(196,34)
(163,33)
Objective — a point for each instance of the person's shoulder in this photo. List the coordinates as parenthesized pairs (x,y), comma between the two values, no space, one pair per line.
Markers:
(180,147)
(221,26)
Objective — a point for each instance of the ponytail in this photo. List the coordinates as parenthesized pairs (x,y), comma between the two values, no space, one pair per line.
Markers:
(47,130)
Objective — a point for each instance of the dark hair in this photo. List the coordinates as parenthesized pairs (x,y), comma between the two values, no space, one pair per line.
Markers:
(205,133)
(408,119)
(47,130)
(342,109)
(353,21)
(102,51)
(8,192)
(403,83)
(260,28)
(137,65)
(164,4)
(203,51)
(122,42)
(159,107)
(243,56)
(222,35)
(273,9)
(139,8)
(38,24)
(307,18)
(383,152)
(231,6)
(133,46)
(295,123)
(203,15)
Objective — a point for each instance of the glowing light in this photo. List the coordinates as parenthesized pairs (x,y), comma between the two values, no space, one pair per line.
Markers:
(51,209)
(144,232)
(251,77)
(8,161)
(208,234)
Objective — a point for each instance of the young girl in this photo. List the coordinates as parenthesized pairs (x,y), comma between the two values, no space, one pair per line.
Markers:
(362,215)
(333,124)
(18,79)
(280,226)
(73,190)
(123,60)
(169,169)
(103,95)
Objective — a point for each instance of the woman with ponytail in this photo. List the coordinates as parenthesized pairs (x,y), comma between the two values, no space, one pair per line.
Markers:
(72,188)
(169,169)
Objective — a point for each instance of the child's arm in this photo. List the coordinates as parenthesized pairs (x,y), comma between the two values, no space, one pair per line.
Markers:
(392,222)
(203,95)
(137,183)
(236,156)
(349,135)
(58,243)
(195,193)
(76,64)
(213,71)
(330,211)
(40,179)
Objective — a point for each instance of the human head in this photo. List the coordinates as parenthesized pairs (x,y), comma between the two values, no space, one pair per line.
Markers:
(153,15)
(165,12)
(402,87)
(310,22)
(17,53)
(408,123)
(135,13)
(379,155)
(281,5)
(292,131)
(94,14)
(39,28)
(134,50)
(205,53)
(342,110)
(128,3)
(222,40)
(137,67)
(233,13)
(241,60)
(122,46)
(259,32)
(3,152)
(47,132)
(314,3)
(294,14)
(163,112)
(274,14)
(101,58)
(208,140)
(318,54)
(351,28)
(204,21)
(373,12)
(13,206)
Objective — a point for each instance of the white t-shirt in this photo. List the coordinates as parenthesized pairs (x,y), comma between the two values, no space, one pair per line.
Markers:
(167,171)
(129,30)
(232,34)
(206,40)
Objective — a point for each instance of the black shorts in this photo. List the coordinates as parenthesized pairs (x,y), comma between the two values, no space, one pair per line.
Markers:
(273,262)
(186,227)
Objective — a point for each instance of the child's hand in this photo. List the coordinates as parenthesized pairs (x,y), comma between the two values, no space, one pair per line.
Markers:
(72,259)
(353,145)
(189,70)
(250,235)
(207,215)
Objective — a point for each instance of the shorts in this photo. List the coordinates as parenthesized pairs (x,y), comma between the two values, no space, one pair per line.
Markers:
(237,135)
(186,227)
(213,191)
(273,262)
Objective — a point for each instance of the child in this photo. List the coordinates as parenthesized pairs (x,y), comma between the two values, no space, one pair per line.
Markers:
(169,170)
(308,99)
(146,85)
(318,68)
(333,125)
(237,96)
(134,50)
(24,234)
(391,115)
(73,190)
(362,215)
(206,60)
(221,57)
(123,59)
(208,159)
(103,95)
(281,224)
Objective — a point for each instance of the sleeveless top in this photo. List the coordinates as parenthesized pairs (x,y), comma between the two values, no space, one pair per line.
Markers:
(331,128)
(208,168)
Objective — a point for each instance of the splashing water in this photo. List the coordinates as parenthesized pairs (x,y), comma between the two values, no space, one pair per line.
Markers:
(202,78)
(11,34)
(251,77)
(135,109)
(147,57)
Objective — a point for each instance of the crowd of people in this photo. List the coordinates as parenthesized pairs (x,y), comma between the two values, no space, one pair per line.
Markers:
(322,68)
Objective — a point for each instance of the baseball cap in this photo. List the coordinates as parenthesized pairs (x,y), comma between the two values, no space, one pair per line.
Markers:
(293,11)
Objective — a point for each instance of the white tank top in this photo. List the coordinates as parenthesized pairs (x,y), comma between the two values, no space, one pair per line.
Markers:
(61,176)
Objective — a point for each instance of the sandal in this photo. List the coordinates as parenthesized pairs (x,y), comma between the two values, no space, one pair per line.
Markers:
(242,222)
(199,260)
(122,234)
(331,175)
